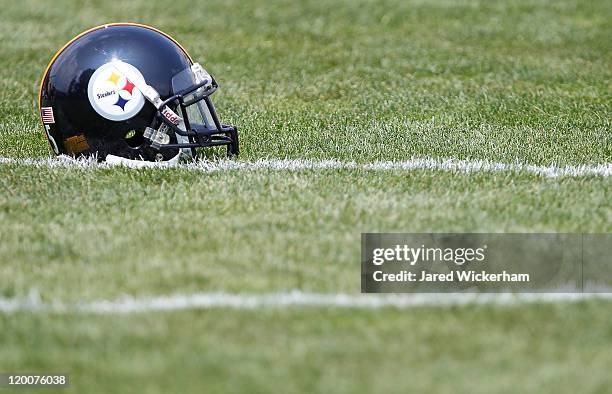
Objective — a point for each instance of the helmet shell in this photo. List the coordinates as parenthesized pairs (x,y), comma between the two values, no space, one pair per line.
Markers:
(67,88)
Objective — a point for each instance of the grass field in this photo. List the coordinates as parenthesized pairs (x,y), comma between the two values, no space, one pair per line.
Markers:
(511,82)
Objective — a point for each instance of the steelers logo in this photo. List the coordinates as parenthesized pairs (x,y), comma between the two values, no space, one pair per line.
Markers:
(113,95)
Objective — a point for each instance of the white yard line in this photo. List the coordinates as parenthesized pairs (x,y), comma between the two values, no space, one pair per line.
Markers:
(432,164)
(294,299)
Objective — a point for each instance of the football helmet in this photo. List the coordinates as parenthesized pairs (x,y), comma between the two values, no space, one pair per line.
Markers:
(129,91)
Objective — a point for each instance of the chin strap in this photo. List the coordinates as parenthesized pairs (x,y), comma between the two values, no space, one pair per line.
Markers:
(158,137)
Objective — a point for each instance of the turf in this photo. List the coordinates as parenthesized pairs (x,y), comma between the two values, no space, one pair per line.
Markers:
(512,81)
(526,80)
(151,231)
(535,348)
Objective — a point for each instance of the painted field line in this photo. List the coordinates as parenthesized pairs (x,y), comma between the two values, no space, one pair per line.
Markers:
(412,164)
(294,299)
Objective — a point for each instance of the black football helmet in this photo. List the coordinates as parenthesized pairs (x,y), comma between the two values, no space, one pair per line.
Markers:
(130,91)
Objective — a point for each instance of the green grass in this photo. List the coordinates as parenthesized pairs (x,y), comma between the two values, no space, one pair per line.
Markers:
(534,348)
(526,81)
(148,231)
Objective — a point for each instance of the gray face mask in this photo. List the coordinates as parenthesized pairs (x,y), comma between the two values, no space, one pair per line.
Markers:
(193,122)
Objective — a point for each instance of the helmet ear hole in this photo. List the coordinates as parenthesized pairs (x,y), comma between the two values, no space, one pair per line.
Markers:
(134,138)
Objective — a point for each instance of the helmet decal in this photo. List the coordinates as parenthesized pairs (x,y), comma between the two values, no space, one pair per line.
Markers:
(113,95)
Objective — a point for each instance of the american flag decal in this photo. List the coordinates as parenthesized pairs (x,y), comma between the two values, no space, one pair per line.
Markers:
(47,115)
